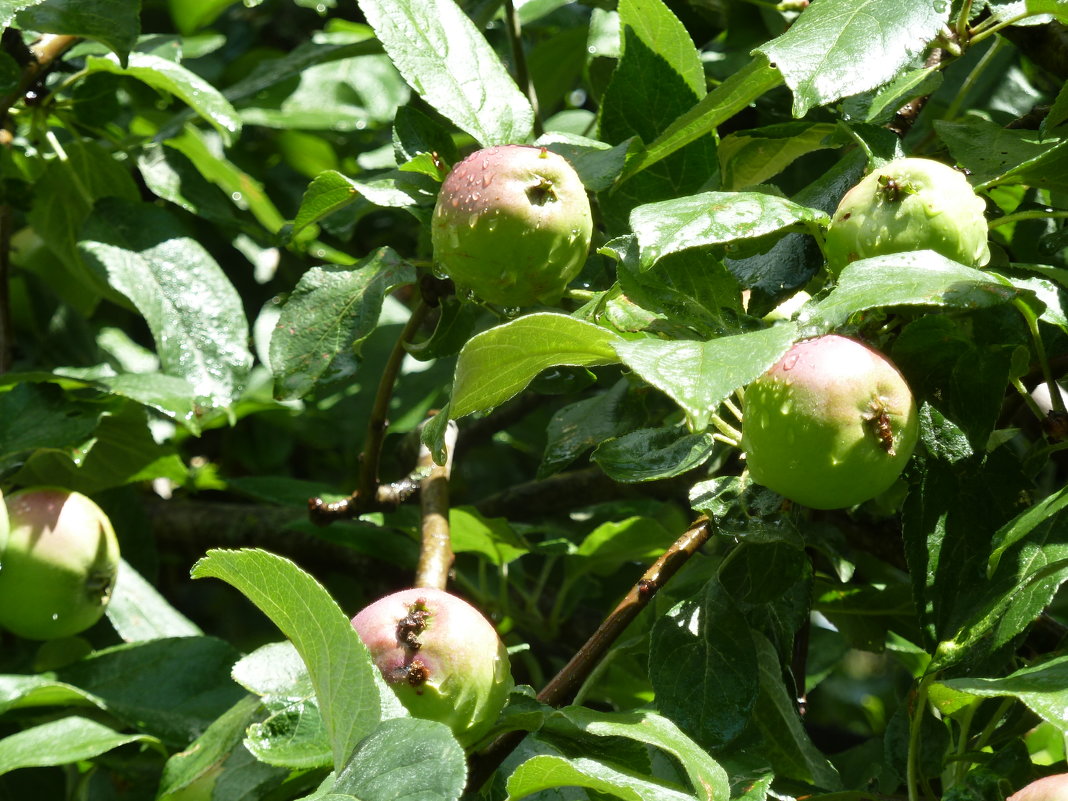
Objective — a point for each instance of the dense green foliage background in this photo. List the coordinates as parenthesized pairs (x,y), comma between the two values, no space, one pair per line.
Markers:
(215,260)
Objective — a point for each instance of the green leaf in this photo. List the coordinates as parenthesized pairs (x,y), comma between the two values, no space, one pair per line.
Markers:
(338,661)
(786,743)
(582,425)
(915,278)
(291,732)
(708,779)
(114,23)
(444,57)
(122,452)
(703,666)
(662,32)
(167,76)
(497,364)
(470,532)
(547,772)
(650,454)
(405,758)
(348,94)
(1042,687)
(837,48)
(953,505)
(58,213)
(752,157)
(22,691)
(605,549)
(172,176)
(170,688)
(735,93)
(998,155)
(9,8)
(715,218)
(700,375)
(691,289)
(138,611)
(61,742)
(146,254)
(879,106)
(331,191)
(35,416)
(328,315)
(1010,10)
(189,15)
(646,92)
(244,191)
(210,749)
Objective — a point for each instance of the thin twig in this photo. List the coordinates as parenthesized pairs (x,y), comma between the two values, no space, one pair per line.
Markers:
(44,51)
(522,74)
(378,421)
(435,554)
(562,687)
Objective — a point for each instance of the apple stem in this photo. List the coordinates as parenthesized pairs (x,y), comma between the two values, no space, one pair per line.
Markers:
(435,552)
(727,432)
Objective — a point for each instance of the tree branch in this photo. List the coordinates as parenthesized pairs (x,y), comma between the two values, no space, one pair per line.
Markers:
(562,687)
(435,553)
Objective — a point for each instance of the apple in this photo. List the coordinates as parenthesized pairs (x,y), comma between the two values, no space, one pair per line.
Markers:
(512,225)
(60,564)
(1050,788)
(909,204)
(830,425)
(441,656)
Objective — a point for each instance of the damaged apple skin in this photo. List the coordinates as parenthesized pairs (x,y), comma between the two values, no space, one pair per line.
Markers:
(909,204)
(512,225)
(442,658)
(830,425)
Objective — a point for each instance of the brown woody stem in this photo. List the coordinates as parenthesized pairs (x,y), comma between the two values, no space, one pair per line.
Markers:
(366,489)
(562,688)
(435,554)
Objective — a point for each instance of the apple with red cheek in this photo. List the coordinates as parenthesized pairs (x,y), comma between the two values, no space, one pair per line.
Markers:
(1050,788)
(442,658)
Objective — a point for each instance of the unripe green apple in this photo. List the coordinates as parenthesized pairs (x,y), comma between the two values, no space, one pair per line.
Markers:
(909,204)
(512,224)
(830,425)
(60,564)
(1050,788)
(441,656)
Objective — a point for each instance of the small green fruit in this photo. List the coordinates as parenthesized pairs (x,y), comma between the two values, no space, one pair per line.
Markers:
(909,204)
(830,425)
(441,656)
(60,564)
(1050,788)
(513,225)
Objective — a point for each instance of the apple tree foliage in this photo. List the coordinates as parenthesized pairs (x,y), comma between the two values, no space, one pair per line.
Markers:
(218,300)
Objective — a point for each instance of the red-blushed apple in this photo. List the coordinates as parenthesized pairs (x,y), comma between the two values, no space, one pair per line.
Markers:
(1050,788)
(909,204)
(60,564)
(440,655)
(830,425)
(512,225)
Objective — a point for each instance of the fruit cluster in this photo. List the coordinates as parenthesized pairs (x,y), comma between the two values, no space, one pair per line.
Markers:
(833,423)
